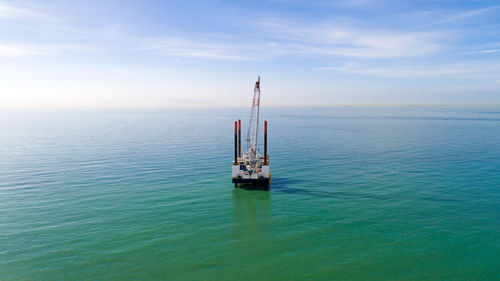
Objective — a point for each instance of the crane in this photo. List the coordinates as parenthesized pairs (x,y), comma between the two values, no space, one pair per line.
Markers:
(252,156)
(251,169)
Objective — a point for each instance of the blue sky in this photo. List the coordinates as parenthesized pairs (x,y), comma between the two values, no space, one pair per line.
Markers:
(208,53)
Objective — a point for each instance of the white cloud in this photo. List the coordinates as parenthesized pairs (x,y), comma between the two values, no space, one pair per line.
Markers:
(275,38)
(7,11)
(12,12)
(17,51)
(487,51)
(28,50)
(187,48)
(334,40)
(466,15)
(269,38)
(466,70)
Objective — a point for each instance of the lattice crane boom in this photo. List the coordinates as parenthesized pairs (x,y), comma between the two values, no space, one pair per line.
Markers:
(253,128)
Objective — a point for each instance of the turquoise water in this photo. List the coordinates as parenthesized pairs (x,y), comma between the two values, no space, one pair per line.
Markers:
(357,193)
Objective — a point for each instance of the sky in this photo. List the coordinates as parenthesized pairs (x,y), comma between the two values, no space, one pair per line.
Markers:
(66,54)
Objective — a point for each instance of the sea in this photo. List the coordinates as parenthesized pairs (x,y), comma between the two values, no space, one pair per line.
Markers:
(357,193)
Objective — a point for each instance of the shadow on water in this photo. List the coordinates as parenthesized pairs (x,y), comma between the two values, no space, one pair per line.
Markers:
(284,185)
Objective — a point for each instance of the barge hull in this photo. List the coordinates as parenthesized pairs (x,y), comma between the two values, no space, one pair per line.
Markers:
(257,183)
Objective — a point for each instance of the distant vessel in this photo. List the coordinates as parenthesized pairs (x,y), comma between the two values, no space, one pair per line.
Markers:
(251,168)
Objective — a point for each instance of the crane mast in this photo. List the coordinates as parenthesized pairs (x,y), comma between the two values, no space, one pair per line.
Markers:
(252,156)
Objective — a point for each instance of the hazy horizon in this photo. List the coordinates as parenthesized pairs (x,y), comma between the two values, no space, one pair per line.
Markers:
(215,106)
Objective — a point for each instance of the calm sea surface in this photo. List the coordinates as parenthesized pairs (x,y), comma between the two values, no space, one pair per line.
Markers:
(357,193)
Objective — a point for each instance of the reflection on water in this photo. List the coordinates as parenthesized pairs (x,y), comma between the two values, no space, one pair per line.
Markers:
(252,227)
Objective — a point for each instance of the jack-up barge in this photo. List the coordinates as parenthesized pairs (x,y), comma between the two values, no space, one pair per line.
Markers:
(251,169)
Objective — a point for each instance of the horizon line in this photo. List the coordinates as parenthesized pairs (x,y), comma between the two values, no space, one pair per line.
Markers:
(156,107)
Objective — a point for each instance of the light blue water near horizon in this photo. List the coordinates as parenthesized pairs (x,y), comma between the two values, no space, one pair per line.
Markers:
(357,193)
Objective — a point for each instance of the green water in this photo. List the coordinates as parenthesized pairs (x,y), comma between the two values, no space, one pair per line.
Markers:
(357,194)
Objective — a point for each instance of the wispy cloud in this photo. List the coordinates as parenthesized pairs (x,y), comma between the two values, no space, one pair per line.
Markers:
(188,48)
(355,3)
(8,11)
(335,40)
(29,50)
(270,37)
(487,51)
(466,14)
(17,51)
(277,38)
(473,69)
(35,33)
